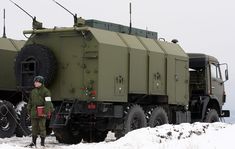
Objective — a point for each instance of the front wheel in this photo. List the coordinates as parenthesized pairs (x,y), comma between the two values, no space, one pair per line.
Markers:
(212,116)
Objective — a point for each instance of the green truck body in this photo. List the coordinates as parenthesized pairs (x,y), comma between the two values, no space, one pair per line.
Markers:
(9,49)
(105,78)
(10,96)
(118,64)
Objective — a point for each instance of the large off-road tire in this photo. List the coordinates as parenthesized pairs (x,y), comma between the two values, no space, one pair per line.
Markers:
(8,120)
(212,116)
(67,136)
(158,117)
(45,63)
(24,128)
(94,136)
(134,119)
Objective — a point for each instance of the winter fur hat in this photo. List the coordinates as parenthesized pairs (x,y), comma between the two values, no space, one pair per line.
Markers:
(39,79)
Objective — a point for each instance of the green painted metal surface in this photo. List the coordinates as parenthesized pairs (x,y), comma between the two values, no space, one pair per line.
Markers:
(113,65)
(121,28)
(8,51)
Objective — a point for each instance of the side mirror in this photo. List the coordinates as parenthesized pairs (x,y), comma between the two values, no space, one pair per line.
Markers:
(224,67)
(226,74)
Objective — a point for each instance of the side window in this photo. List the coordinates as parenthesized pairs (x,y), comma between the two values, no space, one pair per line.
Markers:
(215,71)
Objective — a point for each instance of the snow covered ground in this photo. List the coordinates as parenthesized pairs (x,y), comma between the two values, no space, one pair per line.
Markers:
(183,136)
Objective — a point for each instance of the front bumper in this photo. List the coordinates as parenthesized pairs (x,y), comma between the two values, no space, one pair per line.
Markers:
(225,113)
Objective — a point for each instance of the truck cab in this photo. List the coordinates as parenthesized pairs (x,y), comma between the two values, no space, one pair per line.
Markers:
(206,87)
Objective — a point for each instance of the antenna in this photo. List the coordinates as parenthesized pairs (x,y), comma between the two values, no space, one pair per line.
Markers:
(36,24)
(130,28)
(63,7)
(4,24)
(146,31)
(22,9)
(77,22)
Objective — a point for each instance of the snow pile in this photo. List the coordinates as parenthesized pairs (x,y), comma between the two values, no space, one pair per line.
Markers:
(19,107)
(183,136)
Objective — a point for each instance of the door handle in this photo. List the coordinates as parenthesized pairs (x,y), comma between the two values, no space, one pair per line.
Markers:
(213,87)
(176,78)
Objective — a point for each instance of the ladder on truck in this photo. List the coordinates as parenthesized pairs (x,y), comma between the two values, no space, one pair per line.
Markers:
(62,115)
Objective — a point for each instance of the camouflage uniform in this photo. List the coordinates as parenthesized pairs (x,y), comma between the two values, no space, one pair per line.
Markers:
(37,98)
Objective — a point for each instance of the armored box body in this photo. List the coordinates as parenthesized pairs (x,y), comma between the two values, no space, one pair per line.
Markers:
(108,66)
(8,51)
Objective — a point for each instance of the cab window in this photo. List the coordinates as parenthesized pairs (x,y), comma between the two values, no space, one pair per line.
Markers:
(215,71)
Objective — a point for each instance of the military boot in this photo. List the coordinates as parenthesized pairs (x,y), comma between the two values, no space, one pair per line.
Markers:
(42,141)
(34,140)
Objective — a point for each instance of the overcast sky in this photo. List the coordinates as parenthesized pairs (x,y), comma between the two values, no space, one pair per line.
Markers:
(203,26)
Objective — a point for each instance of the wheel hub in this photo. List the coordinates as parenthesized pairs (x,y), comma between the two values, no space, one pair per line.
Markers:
(135,124)
(4,124)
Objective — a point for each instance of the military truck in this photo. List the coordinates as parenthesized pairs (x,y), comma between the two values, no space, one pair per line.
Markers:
(104,77)
(11,105)
(13,116)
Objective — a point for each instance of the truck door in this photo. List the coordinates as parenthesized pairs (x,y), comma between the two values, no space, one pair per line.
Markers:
(217,85)
(181,83)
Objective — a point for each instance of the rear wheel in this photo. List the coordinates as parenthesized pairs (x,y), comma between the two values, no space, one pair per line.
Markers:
(134,119)
(8,121)
(158,117)
(94,136)
(24,128)
(212,116)
(67,135)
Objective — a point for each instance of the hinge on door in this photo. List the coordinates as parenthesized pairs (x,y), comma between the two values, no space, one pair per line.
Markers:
(119,85)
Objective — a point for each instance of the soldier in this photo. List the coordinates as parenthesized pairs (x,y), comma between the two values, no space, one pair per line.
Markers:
(39,108)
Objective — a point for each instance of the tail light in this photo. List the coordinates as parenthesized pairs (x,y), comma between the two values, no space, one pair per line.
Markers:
(93,93)
(91,106)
